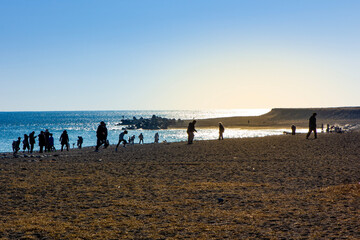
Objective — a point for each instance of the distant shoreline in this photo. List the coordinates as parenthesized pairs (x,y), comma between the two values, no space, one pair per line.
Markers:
(285,117)
(85,124)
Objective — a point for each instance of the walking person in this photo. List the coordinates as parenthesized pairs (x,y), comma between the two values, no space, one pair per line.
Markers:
(32,141)
(121,139)
(64,139)
(26,143)
(190,131)
(101,135)
(312,126)
(221,131)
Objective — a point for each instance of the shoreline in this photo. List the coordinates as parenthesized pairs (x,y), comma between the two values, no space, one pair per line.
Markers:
(276,119)
(168,142)
(37,154)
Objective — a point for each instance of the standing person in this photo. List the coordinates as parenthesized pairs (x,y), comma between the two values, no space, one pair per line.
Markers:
(64,139)
(141,137)
(101,135)
(41,141)
(121,139)
(51,143)
(293,129)
(190,131)
(156,138)
(47,136)
(312,126)
(132,139)
(26,143)
(32,141)
(16,145)
(221,131)
(80,142)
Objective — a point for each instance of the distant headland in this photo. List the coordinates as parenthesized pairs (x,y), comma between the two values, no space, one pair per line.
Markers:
(285,117)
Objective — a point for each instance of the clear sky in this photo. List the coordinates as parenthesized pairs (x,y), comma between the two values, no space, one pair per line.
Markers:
(178,54)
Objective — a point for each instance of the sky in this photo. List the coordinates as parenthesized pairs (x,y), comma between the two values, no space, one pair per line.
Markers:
(178,54)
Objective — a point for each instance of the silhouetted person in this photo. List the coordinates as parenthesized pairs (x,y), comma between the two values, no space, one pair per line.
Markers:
(141,138)
(64,140)
(41,138)
(132,139)
(293,129)
(16,145)
(32,141)
(80,142)
(328,128)
(190,131)
(101,135)
(156,138)
(221,131)
(51,143)
(26,143)
(312,126)
(121,139)
(47,136)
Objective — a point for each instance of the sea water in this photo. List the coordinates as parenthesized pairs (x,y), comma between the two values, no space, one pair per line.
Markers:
(85,123)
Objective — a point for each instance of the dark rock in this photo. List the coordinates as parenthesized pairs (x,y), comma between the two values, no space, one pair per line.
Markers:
(152,123)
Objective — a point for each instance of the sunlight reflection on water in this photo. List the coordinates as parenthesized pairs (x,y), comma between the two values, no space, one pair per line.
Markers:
(85,123)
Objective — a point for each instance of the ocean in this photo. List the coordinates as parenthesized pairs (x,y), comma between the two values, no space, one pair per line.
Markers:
(85,123)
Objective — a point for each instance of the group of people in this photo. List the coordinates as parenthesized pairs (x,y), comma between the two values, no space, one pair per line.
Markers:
(191,130)
(102,133)
(45,140)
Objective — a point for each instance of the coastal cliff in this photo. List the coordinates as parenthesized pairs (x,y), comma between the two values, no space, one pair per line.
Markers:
(342,113)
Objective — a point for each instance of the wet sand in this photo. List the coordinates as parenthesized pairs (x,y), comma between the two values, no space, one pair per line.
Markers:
(278,187)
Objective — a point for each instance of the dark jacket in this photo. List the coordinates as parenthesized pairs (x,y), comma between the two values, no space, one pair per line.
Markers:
(64,138)
(312,122)
(221,128)
(41,139)
(32,138)
(191,127)
(101,132)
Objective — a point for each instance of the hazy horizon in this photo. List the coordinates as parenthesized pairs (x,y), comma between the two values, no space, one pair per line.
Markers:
(160,110)
(89,55)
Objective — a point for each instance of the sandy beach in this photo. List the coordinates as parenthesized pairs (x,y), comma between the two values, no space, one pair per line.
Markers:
(278,187)
(86,73)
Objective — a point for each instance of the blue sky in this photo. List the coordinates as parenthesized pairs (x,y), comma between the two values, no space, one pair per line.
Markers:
(167,54)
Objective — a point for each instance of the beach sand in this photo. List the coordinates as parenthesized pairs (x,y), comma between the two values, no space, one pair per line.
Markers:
(277,187)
